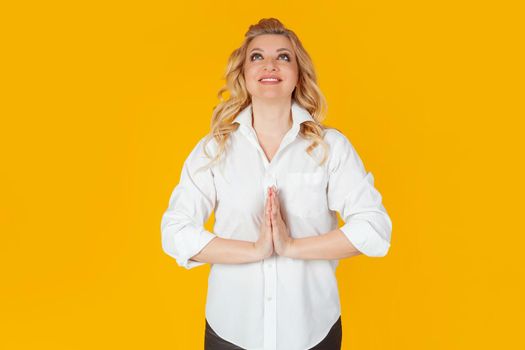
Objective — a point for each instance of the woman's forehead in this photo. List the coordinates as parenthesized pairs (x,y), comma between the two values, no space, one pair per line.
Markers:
(270,42)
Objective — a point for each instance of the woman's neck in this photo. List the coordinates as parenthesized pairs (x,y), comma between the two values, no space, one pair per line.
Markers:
(272,118)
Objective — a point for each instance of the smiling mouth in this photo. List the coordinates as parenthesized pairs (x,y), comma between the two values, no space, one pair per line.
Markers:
(270,81)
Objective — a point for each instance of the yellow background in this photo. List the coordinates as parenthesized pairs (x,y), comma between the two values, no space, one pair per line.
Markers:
(102,101)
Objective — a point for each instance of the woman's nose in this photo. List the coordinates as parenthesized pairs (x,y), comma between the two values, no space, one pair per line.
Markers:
(270,66)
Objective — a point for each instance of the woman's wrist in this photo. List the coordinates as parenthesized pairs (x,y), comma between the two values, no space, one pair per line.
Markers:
(257,252)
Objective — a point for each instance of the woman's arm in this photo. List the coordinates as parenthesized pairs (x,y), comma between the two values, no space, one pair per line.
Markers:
(228,251)
(352,194)
(331,245)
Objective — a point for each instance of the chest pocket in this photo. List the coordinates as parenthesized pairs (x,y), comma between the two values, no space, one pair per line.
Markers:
(306,193)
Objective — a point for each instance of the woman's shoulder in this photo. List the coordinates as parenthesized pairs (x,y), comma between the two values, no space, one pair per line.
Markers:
(335,137)
(340,146)
(207,142)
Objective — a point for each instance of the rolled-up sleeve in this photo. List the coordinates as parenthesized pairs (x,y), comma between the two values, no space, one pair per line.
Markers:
(190,206)
(352,194)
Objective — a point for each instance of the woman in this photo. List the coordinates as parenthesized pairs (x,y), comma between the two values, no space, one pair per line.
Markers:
(275,177)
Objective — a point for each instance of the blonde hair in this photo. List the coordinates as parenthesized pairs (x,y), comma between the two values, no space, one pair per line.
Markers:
(307,93)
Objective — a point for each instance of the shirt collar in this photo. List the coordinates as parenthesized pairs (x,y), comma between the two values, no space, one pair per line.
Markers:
(299,115)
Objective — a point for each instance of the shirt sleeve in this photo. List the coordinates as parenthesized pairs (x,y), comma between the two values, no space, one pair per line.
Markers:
(190,206)
(352,194)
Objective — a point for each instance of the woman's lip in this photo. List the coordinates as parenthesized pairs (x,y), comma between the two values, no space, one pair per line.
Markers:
(269,82)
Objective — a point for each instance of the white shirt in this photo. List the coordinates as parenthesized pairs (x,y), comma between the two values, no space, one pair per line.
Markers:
(277,303)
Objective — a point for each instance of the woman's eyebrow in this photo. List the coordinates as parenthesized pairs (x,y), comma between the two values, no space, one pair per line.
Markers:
(281,49)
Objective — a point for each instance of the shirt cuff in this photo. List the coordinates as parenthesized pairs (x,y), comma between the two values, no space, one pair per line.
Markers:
(190,244)
(365,238)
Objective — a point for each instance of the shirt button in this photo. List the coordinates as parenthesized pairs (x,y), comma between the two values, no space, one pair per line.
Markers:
(269,265)
(269,298)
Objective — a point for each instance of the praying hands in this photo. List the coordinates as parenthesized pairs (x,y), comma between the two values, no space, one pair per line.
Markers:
(274,233)
(275,236)
(282,241)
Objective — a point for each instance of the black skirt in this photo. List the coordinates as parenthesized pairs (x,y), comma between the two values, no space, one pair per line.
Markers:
(332,341)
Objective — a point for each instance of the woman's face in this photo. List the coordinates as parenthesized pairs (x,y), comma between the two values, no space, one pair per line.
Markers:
(270,55)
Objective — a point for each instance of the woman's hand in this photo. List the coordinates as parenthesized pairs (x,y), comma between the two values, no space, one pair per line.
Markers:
(282,240)
(264,245)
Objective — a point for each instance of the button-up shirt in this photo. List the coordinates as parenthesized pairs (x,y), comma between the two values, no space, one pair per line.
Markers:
(277,303)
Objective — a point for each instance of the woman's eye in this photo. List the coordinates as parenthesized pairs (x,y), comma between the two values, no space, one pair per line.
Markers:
(283,54)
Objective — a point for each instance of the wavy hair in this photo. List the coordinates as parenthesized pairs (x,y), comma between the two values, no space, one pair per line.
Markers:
(307,93)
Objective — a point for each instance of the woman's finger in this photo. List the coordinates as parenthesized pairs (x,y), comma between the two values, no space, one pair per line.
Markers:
(277,203)
(276,199)
(274,205)
(268,208)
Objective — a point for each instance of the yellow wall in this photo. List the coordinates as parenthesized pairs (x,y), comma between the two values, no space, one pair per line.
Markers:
(101,103)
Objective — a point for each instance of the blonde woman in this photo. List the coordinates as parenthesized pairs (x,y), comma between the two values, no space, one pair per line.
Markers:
(275,177)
